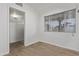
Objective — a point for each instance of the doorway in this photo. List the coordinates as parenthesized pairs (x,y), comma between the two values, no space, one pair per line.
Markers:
(16,27)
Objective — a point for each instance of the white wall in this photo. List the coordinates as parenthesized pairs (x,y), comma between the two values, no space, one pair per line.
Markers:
(66,40)
(20,32)
(16,32)
(31,18)
(12,36)
(4,41)
(30,26)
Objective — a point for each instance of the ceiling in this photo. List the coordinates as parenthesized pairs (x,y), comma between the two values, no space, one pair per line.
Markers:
(18,12)
(47,7)
(16,15)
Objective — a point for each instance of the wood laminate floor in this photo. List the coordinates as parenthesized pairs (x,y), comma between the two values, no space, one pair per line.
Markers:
(39,49)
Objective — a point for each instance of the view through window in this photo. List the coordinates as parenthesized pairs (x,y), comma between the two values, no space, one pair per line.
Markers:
(61,22)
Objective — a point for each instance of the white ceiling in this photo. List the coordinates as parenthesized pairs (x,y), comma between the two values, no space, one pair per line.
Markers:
(18,12)
(14,13)
(47,7)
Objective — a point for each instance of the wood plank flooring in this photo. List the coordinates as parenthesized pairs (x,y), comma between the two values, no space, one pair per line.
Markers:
(39,49)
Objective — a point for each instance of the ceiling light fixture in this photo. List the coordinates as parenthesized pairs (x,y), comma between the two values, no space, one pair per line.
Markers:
(14,15)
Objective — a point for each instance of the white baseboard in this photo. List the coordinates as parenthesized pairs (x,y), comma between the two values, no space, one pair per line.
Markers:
(31,43)
(60,46)
(52,43)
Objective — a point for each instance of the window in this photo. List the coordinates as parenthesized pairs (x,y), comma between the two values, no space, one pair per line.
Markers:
(61,22)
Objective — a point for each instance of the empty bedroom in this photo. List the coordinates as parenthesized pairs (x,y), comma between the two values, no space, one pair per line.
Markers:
(39,29)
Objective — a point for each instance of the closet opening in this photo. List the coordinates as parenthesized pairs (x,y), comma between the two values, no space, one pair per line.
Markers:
(16,28)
